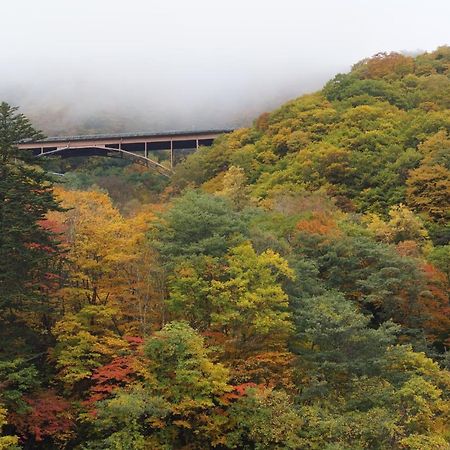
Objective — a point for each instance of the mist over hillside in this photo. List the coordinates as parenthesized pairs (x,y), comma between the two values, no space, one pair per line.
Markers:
(87,105)
(90,67)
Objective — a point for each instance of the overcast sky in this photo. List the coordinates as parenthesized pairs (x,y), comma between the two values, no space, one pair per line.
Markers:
(196,63)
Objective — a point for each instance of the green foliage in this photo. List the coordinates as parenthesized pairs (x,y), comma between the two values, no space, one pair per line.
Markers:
(120,422)
(264,419)
(242,298)
(14,127)
(28,250)
(191,291)
(179,403)
(17,379)
(372,274)
(127,184)
(198,224)
(186,375)
(336,339)
(364,392)
(440,257)
(251,304)
(191,383)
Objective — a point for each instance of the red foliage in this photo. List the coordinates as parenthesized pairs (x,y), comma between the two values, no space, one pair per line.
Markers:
(241,389)
(49,417)
(53,226)
(118,373)
(134,341)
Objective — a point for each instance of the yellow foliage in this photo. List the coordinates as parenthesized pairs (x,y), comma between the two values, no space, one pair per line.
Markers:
(403,225)
(6,442)
(108,261)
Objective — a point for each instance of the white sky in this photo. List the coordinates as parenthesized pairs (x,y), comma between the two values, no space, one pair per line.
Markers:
(199,61)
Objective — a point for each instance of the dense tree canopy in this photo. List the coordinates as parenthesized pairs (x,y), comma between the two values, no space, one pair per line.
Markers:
(287,290)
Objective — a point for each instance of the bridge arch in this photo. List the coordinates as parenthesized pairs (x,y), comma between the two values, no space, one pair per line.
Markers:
(110,152)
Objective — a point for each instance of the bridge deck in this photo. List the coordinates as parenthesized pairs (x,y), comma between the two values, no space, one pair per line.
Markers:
(124,138)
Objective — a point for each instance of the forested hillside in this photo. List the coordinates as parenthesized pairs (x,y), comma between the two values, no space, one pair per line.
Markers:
(372,139)
(287,290)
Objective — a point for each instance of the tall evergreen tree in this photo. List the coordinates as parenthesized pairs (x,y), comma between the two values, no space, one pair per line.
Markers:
(28,250)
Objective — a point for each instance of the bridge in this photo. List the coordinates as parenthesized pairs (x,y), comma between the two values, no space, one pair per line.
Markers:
(137,147)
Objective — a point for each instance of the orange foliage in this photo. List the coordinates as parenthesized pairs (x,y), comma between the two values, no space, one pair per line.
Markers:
(262,122)
(436,304)
(271,368)
(320,223)
(389,64)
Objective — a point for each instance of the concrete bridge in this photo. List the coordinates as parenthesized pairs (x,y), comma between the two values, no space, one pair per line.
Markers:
(134,146)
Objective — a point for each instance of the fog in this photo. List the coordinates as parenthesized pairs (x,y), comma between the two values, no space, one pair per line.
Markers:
(78,66)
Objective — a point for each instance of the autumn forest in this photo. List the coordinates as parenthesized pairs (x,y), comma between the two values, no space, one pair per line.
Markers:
(286,288)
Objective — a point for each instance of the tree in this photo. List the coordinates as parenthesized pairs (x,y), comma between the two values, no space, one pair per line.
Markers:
(183,369)
(250,305)
(440,257)
(234,187)
(197,224)
(190,383)
(360,390)
(429,191)
(99,242)
(108,261)
(381,281)
(180,404)
(131,419)
(29,252)
(436,149)
(17,380)
(402,226)
(48,419)
(190,291)
(264,419)
(14,127)
(85,341)
(335,338)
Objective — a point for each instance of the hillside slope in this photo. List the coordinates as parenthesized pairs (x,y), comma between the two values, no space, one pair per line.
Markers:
(370,139)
